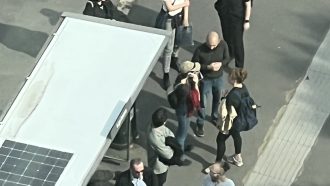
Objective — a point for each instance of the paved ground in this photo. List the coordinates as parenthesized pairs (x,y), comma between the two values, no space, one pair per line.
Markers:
(316,170)
(291,140)
(280,45)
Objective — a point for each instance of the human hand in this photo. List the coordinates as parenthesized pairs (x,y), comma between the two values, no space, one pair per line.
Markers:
(185,23)
(183,81)
(246,26)
(193,76)
(216,66)
(186,3)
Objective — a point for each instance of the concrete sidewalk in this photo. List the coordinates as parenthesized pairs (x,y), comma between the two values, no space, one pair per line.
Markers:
(289,144)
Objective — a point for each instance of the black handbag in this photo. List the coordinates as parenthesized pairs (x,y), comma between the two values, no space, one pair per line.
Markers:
(161,19)
(183,36)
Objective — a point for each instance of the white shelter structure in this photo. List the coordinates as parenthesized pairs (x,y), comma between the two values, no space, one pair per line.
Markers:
(85,81)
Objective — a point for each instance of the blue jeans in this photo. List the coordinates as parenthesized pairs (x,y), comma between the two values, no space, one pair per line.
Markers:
(209,86)
(182,130)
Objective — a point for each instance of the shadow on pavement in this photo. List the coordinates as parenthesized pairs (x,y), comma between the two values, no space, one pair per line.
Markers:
(21,39)
(53,16)
(142,16)
(313,24)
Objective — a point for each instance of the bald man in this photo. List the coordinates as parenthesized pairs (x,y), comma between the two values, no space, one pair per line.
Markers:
(212,55)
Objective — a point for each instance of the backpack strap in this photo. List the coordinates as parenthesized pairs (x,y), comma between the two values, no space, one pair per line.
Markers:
(90,2)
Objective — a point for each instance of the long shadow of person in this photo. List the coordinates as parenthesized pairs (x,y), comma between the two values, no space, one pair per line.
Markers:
(21,39)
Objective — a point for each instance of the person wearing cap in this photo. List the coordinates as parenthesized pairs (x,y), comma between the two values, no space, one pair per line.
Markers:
(216,175)
(212,56)
(187,92)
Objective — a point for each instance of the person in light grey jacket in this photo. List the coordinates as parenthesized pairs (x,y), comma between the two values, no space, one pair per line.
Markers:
(156,141)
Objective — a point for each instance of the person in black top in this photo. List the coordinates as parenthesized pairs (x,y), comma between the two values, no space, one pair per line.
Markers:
(236,78)
(100,8)
(235,19)
(187,92)
(212,56)
(137,174)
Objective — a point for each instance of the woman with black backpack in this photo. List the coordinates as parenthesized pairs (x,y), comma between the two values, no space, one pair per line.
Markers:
(236,79)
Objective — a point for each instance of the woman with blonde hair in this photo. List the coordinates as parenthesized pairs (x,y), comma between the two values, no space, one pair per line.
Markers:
(216,176)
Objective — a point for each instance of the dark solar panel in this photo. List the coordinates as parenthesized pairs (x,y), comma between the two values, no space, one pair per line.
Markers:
(24,164)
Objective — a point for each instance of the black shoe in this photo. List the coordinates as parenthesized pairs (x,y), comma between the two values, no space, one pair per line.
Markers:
(200,131)
(166,81)
(215,121)
(186,162)
(174,63)
(188,148)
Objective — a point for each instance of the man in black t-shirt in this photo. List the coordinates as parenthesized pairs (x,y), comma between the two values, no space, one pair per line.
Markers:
(212,56)
(235,19)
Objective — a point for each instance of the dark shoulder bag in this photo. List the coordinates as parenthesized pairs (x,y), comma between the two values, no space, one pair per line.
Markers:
(162,18)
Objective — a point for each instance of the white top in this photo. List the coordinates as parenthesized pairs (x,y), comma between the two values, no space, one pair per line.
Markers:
(208,182)
(76,92)
(172,13)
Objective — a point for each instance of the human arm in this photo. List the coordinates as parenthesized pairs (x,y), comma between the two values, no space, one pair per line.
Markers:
(232,99)
(248,9)
(170,7)
(185,21)
(157,143)
(226,56)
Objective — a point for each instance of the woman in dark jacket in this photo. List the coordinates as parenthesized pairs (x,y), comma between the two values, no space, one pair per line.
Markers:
(187,92)
(236,78)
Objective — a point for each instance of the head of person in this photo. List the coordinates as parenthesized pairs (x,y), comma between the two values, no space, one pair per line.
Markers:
(188,69)
(159,117)
(218,170)
(237,75)
(136,167)
(212,39)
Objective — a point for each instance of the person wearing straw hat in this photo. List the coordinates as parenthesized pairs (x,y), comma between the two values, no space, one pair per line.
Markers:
(187,92)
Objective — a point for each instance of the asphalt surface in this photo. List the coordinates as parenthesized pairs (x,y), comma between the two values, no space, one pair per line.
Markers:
(280,45)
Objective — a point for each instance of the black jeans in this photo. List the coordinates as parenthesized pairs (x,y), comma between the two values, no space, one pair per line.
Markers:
(161,178)
(221,143)
(232,31)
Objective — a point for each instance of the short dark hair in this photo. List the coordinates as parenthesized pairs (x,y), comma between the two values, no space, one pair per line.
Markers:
(159,117)
(135,161)
(238,74)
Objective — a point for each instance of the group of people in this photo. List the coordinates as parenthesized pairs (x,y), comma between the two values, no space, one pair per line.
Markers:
(140,175)
(198,79)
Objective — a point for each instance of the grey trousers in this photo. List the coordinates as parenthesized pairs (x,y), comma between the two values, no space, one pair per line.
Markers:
(169,49)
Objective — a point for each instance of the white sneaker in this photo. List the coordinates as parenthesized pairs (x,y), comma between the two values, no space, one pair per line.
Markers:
(233,160)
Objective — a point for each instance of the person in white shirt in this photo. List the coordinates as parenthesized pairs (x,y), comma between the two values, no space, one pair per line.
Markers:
(177,15)
(216,175)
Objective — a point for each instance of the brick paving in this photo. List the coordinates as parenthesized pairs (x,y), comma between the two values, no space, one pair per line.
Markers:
(293,138)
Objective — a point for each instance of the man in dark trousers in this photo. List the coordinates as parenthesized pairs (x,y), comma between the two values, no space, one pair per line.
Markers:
(235,19)
(212,56)
(137,175)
